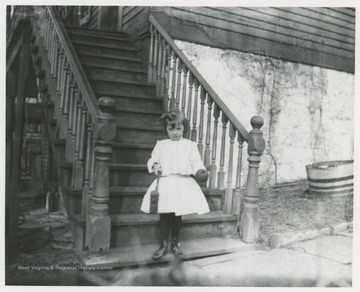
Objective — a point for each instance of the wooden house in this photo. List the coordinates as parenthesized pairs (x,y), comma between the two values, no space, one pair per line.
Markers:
(103,76)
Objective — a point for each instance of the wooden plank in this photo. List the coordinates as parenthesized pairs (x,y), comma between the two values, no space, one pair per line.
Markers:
(295,20)
(333,14)
(191,32)
(133,13)
(259,19)
(128,9)
(315,16)
(347,11)
(275,37)
(142,254)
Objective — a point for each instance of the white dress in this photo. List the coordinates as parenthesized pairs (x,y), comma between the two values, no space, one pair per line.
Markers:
(179,193)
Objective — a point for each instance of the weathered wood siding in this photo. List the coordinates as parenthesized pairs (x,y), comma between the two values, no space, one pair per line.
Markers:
(315,36)
(135,19)
(94,18)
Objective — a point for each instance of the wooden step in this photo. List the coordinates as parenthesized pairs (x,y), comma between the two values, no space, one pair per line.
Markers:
(110,60)
(131,153)
(142,134)
(138,116)
(89,47)
(96,31)
(131,99)
(127,200)
(131,87)
(129,175)
(113,40)
(142,229)
(114,74)
(142,254)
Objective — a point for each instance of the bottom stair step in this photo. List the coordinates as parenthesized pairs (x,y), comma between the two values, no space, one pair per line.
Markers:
(142,229)
(140,255)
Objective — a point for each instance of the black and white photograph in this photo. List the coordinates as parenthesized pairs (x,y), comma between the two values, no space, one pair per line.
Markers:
(180,144)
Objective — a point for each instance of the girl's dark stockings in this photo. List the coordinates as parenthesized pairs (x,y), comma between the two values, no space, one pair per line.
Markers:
(169,222)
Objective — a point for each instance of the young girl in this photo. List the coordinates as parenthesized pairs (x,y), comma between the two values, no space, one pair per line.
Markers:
(176,159)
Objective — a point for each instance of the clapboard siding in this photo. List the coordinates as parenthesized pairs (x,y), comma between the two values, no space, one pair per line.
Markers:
(267,31)
(319,16)
(94,20)
(298,25)
(135,19)
(316,36)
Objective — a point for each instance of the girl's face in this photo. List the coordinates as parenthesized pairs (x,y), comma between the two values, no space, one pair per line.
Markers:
(175,133)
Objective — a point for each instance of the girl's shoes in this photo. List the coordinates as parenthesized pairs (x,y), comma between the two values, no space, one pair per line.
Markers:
(163,248)
(175,248)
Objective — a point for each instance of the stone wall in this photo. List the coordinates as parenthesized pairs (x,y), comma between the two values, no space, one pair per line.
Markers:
(308,111)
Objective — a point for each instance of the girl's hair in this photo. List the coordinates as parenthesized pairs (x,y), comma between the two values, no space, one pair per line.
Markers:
(174,118)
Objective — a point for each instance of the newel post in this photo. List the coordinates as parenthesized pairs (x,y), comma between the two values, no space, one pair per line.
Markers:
(250,225)
(98,221)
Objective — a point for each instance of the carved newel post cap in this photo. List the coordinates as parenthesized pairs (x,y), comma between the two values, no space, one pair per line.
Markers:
(257,122)
(256,142)
(106,104)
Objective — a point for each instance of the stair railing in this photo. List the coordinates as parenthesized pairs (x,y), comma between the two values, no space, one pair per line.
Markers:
(184,88)
(86,124)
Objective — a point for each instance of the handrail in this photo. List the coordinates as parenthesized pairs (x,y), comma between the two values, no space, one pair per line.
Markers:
(201,79)
(79,74)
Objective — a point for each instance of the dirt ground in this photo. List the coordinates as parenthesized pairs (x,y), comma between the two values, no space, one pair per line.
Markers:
(46,247)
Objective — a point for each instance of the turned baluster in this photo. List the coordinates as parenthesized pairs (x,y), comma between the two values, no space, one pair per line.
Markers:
(82,140)
(59,73)
(212,178)
(163,68)
(191,85)
(151,52)
(167,77)
(77,129)
(46,31)
(173,81)
(88,164)
(155,58)
(195,113)
(159,66)
(208,132)
(221,173)
(64,82)
(201,123)
(55,59)
(69,117)
(51,51)
(185,81)
(178,84)
(75,116)
(250,223)
(229,189)
(237,195)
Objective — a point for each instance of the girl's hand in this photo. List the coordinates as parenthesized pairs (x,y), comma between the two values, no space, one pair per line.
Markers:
(157,168)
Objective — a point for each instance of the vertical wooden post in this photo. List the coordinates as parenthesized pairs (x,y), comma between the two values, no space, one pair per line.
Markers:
(229,190)
(221,173)
(212,167)
(98,221)
(237,195)
(150,63)
(17,138)
(250,225)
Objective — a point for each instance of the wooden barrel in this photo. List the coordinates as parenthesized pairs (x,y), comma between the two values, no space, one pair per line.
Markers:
(331,178)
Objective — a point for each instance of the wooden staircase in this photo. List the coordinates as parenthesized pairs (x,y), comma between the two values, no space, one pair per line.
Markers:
(138,128)
(102,99)
(113,70)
